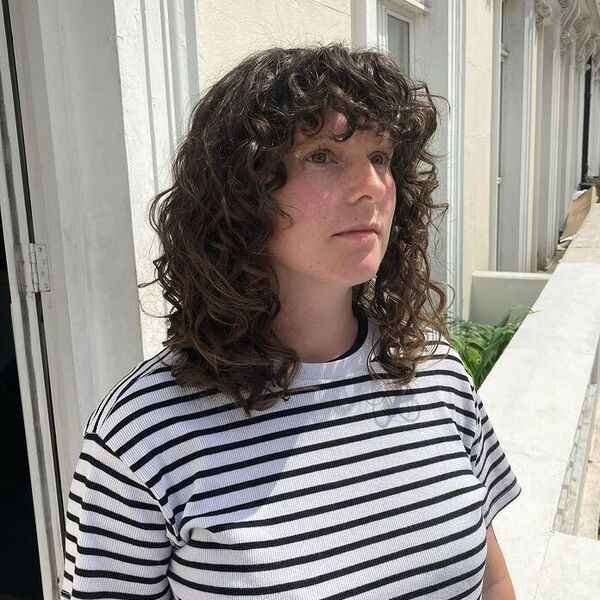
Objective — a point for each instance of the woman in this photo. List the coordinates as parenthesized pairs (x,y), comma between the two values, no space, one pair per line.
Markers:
(302,435)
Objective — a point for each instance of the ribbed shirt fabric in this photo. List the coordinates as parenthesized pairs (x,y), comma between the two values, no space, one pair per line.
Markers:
(351,488)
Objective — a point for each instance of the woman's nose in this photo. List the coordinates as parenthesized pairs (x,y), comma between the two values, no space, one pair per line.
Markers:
(365,179)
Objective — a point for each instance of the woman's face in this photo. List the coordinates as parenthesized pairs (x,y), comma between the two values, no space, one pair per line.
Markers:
(341,197)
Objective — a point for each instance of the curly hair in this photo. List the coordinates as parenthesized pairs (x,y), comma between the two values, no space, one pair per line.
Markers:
(215,221)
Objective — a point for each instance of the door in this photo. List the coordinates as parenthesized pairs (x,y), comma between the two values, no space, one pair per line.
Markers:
(27,278)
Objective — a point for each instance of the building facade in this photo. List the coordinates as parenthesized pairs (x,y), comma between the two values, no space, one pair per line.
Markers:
(95,95)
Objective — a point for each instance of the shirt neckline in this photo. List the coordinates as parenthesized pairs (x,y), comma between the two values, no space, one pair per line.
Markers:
(361,334)
(339,368)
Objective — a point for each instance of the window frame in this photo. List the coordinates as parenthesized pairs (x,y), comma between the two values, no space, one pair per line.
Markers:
(444,70)
(408,11)
(384,9)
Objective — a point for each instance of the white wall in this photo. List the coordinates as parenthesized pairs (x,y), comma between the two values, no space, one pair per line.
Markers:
(231,29)
(478,78)
(160,69)
(77,168)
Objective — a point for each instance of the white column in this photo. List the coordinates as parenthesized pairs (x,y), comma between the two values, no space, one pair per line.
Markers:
(595,129)
(455,19)
(547,125)
(569,11)
(516,136)
(442,64)
(579,88)
(568,138)
(495,134)
(582,38)
(364,24)
(594,134)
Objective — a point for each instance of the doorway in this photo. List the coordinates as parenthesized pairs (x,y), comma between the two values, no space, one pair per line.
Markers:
(31,509)
(20,577)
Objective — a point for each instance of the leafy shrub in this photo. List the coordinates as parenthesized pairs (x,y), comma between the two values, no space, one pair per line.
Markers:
(480,344)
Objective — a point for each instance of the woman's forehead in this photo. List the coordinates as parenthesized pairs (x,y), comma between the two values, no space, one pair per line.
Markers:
(334,124)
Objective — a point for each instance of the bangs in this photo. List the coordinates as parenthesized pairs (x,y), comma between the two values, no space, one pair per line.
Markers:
(368,88)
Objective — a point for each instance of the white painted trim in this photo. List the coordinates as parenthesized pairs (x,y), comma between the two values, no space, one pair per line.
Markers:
(526,139)
(566,187)
(383,10)
(546,151)
(456,65)
(580,106)
(495,137)
(364,24)
(594,145)
(516,138)
(28,337)
(73,135)
(414,5)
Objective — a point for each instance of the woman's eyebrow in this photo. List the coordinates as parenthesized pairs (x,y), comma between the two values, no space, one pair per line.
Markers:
(386,140)
(315,138)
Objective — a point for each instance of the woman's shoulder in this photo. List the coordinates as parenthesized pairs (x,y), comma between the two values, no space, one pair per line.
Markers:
(444,361)
(144,380)
(148,395)
(438,347)
(147,409)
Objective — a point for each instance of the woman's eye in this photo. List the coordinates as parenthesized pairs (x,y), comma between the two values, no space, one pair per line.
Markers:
(381,159)
(320,156)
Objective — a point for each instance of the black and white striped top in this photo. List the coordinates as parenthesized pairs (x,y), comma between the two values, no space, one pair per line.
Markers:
(356,488)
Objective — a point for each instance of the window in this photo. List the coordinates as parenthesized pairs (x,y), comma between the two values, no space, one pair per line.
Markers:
(398,36)
(396,26)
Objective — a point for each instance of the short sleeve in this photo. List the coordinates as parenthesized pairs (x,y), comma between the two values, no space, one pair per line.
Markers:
(490,464)
(116,543)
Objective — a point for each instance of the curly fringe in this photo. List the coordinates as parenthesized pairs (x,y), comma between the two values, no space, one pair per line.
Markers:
(214,222)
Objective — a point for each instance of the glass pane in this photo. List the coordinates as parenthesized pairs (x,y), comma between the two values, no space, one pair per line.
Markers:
(399,41)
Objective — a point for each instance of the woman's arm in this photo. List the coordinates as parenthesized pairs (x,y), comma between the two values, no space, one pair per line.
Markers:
(496,580)
(116,544)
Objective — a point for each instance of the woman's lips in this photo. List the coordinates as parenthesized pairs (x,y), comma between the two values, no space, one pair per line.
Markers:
(358,235)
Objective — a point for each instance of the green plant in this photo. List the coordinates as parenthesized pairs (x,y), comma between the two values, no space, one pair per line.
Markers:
(480,344)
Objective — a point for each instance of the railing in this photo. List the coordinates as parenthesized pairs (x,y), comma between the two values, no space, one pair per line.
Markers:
(541,397)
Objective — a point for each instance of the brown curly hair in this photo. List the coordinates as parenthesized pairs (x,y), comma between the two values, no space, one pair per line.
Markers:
(216,219)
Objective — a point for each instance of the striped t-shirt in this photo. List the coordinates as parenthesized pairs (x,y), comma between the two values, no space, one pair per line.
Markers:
(351,488)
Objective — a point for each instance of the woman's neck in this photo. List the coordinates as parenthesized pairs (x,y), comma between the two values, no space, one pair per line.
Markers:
(319,326)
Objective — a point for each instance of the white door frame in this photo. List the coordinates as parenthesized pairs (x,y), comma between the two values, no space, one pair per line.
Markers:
(29,335)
